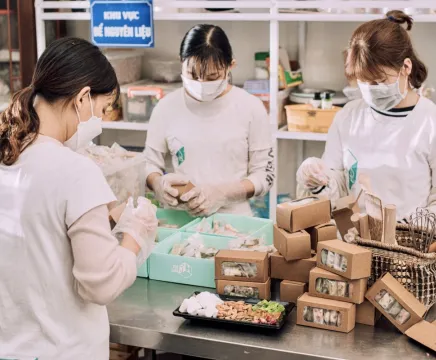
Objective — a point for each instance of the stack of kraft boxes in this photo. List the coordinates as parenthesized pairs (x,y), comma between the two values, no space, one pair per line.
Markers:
(301,225)
(304,233)
(336,285)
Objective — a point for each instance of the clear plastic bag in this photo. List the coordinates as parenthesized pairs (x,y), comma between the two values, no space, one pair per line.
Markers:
(124,170)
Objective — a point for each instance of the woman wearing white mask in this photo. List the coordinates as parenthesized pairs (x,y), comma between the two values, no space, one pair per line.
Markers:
(217,134)
(389,135)
(59,262)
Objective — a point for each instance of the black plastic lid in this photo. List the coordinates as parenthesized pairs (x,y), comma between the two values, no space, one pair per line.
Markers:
(317,96)
(327,96)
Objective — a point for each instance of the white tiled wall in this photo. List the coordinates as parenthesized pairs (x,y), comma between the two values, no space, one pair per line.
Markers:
(323,67)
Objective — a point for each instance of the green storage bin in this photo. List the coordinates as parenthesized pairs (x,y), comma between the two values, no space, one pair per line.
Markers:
(256,227)
(173,217)
(162,234)
(184,270)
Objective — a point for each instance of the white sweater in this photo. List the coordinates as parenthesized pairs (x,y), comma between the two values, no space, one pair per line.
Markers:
(222,141)
(397,150)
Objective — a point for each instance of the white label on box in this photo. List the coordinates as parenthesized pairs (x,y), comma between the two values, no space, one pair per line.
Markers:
(183,270)
(137,107)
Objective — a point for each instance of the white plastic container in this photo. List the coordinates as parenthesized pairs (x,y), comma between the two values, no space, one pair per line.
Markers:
(127,65)
(138,99)
(167,71)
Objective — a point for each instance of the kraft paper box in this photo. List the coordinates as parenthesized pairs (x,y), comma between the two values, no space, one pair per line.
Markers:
(322,232)
(388,295)
(342,219)
(424,333)
(348,260)
(253,290)
(345,313)
(352,291)
(297,270)
(367,314)
(290,291)
(254,264)
(299,215)
(292,246)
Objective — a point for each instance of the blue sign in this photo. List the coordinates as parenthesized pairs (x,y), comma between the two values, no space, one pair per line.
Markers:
(122,23)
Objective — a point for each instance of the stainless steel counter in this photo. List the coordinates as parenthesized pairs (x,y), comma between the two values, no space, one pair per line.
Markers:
(143,317)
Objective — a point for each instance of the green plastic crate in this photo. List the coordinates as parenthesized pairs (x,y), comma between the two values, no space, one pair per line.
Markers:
(184,270)
(256,227)
(174,217)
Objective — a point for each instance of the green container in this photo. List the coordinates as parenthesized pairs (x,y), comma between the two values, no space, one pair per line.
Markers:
(256,227)
(173,217)
(184,270)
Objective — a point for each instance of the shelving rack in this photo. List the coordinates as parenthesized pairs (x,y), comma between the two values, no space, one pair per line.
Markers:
(271,12)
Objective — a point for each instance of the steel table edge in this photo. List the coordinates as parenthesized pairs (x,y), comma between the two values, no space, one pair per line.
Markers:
(199,347)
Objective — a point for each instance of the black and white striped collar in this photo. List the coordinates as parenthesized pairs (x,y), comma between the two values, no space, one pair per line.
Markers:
(396,112)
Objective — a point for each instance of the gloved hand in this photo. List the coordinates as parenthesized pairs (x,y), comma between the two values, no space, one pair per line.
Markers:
(312,173)
(141,224)
(164,191)
(208,199)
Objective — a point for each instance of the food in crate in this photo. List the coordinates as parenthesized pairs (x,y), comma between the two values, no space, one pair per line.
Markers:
(251,244)
(124,170)
(322,316)
(241,291)
(194,247)
(217,228)
(238,269)
(164,224)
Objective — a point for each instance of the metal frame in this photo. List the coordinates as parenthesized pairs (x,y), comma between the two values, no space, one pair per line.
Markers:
(272,15)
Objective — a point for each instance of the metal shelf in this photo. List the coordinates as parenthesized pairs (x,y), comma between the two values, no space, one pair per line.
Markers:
(125,125)
(296,135)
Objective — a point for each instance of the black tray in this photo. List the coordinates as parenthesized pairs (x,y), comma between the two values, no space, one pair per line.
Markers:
(251,301)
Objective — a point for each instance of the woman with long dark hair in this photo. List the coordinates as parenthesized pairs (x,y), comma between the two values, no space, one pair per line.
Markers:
(218,135)
(59,262)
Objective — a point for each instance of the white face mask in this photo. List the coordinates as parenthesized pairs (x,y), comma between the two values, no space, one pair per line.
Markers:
(205,90)
(352,93)
(383,96)
(86,131)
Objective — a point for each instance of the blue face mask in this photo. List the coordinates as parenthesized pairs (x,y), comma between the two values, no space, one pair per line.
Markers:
(383,96)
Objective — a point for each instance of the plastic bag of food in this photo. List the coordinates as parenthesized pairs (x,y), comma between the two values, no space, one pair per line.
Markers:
(124,170)
(238,269)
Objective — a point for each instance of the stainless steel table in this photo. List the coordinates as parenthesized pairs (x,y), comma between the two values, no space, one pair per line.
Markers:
(142,317)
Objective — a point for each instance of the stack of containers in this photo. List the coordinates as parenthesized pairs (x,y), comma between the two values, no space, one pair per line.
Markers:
(301,225)
(336,285)
(243,274)
(164,266)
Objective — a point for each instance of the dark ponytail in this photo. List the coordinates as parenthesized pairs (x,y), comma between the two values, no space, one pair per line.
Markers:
(64,69)
(206,45)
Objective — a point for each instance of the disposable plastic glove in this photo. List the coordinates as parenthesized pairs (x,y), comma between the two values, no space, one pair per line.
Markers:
(141,224)
(163,188)
(208,199)
(313,173)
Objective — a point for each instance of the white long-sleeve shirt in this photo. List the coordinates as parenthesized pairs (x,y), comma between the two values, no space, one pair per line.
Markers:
(223,141)
(396,149)
(59,263)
